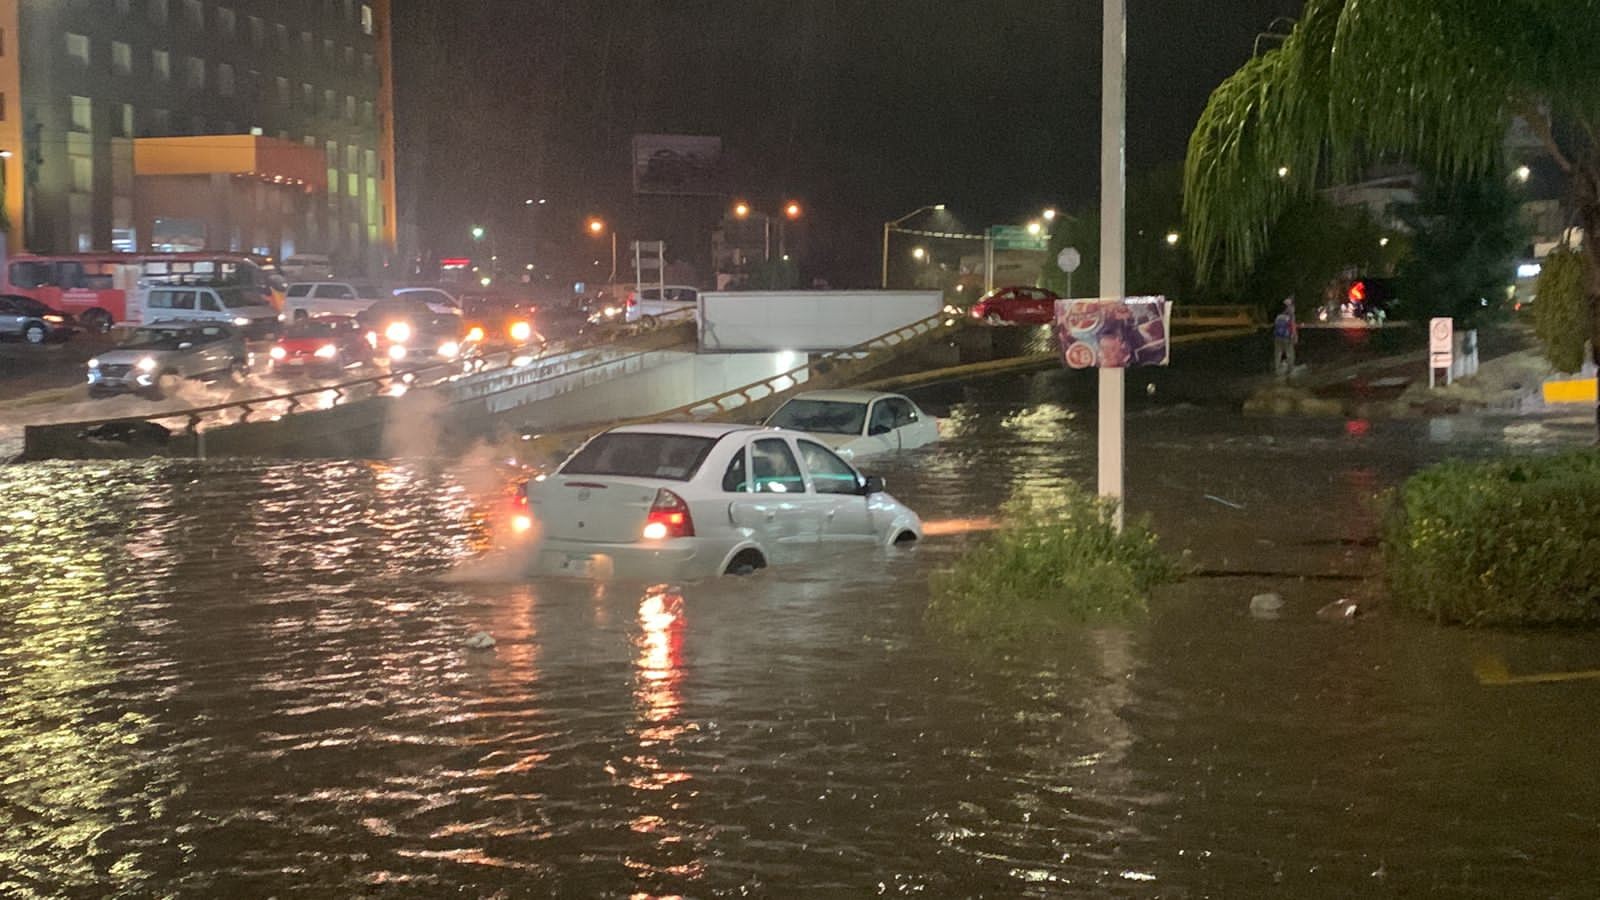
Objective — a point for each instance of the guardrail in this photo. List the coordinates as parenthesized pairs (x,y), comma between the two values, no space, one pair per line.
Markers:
(1217,315)
(288,403)
(827,363)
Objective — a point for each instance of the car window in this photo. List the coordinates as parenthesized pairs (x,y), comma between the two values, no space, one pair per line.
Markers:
(209,303)
(335,292)
(825,416)
(300,290)
(883,419)
(904,413)
(171,300)
(776,471)
(675,457)
(366,289)
(734,480)
(829,473)
(6,306)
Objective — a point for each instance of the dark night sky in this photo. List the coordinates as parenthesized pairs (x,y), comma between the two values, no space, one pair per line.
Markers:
(861,109)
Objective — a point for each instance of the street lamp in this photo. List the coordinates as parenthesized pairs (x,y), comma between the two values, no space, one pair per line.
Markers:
(919,254)
(1035,229)
(1050,214)
(478,232)
(1283,171)
(1522,174)
(1172,239)
(890,226)
(597,227)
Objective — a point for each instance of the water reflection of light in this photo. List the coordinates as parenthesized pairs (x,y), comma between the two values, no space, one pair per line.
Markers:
(1046,422)
(944,527)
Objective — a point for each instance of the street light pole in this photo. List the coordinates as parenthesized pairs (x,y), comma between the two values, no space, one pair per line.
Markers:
(889,226)
(1113,143)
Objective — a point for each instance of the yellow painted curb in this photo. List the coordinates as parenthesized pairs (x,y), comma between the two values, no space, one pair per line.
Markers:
(1579,390)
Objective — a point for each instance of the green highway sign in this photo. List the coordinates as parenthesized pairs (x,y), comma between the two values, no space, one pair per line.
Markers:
(1017,237)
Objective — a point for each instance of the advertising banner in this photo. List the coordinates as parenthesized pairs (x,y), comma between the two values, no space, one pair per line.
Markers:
(677,164)
(1114,334)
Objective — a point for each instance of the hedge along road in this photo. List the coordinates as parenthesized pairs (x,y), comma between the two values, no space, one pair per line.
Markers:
(269,660)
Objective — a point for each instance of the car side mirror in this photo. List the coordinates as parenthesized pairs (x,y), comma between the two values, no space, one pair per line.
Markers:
(872,484)
(879,428)
(185,345)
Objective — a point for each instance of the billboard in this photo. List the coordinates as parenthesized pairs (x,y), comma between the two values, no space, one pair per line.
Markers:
(1114,334)
(677,164)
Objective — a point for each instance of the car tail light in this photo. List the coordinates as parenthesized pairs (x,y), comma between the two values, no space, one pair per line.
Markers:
(669,517)
(633,300)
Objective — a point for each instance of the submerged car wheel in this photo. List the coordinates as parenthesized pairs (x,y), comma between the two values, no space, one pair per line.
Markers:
(97,320)
(166,385)
(35,333)
(746,562)
(905,539)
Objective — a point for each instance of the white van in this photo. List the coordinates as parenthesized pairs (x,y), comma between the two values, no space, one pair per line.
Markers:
(306,267)
(242,308)
(650,304)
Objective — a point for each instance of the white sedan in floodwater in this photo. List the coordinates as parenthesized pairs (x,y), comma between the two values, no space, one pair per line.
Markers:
(687,500)
(857,423)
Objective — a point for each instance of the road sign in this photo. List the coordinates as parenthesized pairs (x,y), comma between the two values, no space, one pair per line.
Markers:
(1441,347)
(1441,341)
(1017,237)
(1068,260)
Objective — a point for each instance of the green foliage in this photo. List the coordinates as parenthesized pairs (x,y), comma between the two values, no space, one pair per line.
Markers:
(1434,82)
(1055,563)
(1308,248)
(1466,237)
(1152,267)
(1561,311)
(1511,542)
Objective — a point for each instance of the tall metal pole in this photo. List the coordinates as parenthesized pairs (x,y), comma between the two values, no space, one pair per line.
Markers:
(886,256)
(1113,141)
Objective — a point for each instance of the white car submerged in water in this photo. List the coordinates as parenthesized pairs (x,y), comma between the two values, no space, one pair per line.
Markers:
(687,500)
(857,423)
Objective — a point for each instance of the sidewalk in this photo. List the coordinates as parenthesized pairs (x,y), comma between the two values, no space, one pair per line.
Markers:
(1511,371)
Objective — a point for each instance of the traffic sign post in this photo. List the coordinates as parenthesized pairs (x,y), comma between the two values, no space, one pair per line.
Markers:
(1441,349)
(1068,261)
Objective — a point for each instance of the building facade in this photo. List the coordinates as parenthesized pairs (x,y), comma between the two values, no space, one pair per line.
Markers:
(98,78)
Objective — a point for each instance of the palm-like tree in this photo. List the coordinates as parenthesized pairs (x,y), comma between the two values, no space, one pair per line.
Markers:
(1433,82)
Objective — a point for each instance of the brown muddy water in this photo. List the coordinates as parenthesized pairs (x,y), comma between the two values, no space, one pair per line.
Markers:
(236,679)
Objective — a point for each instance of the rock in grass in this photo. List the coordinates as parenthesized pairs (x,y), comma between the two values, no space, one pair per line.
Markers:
(1266,606)
(482,640)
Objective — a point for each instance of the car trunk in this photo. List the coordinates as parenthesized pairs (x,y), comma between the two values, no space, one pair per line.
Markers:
(600,509)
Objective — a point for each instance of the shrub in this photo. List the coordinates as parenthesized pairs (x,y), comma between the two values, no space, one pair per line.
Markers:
(1510,542)
(1054,563)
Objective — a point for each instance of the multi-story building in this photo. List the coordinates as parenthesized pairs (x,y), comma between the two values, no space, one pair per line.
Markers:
(246,125)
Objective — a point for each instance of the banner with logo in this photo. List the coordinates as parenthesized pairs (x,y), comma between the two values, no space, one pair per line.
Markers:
(1114,334)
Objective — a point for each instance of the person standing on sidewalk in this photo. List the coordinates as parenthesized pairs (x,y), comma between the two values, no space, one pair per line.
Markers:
(1285,334)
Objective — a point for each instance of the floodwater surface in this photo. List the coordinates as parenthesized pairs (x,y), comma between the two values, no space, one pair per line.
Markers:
(240,678)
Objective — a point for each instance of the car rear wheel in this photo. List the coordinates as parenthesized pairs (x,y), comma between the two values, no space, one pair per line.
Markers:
(166,385)
(35,332)
(746,562)
(97,320)
(649,323)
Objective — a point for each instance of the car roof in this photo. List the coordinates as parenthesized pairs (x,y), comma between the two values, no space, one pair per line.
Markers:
(843,396)
(712,430)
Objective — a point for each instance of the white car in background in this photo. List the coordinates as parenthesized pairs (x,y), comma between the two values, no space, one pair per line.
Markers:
(674,302)
(304,299)
(688,500)
(441,302)
(857,423)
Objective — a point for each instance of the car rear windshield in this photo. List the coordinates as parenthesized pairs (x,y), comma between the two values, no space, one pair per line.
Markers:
(674,457)
(825,416)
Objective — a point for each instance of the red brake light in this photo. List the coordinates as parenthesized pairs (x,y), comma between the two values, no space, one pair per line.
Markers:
(633,300)
(1358,292)
(669,517)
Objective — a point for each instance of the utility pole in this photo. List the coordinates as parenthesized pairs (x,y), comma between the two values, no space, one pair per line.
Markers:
(1113,142)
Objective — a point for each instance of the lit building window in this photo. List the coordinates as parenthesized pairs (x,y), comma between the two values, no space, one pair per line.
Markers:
(82,114)
(121,58)
(161,64)
(78,49)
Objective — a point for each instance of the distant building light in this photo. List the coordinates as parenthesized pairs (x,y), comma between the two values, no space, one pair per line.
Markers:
(1529,270)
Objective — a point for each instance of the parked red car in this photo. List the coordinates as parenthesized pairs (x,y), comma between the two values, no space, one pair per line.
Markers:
(321,344)
(1016,306)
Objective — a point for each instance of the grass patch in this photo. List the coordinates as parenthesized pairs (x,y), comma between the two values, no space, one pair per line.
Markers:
(1055,563)
(1509,542)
